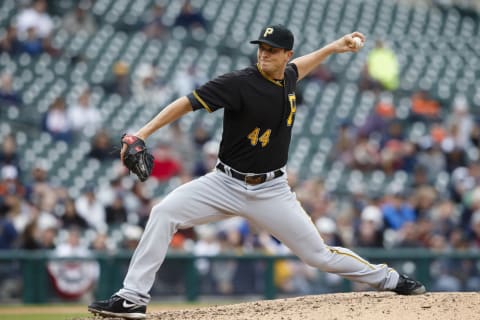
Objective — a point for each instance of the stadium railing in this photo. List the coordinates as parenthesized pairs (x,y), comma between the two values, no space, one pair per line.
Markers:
(31,269)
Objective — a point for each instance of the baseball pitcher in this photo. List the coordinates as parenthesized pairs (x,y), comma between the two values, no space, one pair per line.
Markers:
(250,178)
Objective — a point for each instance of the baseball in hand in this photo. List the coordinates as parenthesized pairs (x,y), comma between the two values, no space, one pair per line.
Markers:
(357,42)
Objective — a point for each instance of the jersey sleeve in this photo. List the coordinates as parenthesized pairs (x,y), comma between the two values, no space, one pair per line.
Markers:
(292,70)
(221,92)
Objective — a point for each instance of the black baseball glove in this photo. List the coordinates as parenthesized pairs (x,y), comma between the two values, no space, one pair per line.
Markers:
(136,158)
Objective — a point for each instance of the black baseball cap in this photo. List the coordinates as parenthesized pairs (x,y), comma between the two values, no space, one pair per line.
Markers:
(277,36)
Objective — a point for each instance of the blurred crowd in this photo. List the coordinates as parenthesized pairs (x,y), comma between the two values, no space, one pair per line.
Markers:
(36,213)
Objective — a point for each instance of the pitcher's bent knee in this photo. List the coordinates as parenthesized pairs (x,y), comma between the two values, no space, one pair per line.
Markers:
(318,259)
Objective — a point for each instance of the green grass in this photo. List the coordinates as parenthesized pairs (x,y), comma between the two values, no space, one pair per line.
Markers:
(79,311)
(44,316)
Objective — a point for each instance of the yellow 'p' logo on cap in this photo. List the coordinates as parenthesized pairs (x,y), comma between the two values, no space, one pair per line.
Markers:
(267,32)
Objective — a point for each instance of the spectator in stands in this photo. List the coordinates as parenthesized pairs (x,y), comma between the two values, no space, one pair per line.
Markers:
(430,157)
(73,246)
(80,19)
(455,157)
(132,194)
(366,153)
(397,153)
(475,134)
(445,217)
(8,153)
(184,149)
(382,69)
(107,193)
(29,238)
(471,203)
(131,236)
(397,211)
(70,217)
(89,208)
(475,234)
(419,177)
(102,147)
(474,170)
(100,243)
(369,232)
(344,143)
(200,136)
(409,156)
(382,115)
(208,159)
(460,122)
(458,239)
(43,210)
(57,122)
(424,228)
(148,86)
(47,238)
(423,201)
(35,17)
(35,24)
(166,165)
(424,108)
(8,96)
(143,202)
(10,182)
(394,131)
(12,198)
(39,186)
(312,195)
(407,236)
(391,156)
(116,212)
(188,80)
(153,24)
(32,44)
(367,83)
(120,84)
(438,133)
(190,18)
(8,232)
(84,116)
(10,43)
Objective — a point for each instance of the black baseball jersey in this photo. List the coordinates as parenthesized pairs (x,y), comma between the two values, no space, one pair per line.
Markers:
(258,116)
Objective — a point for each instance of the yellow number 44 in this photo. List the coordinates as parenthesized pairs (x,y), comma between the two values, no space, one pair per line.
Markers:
(264,138)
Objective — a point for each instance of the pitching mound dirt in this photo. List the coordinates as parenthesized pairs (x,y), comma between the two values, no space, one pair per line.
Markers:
(358,306)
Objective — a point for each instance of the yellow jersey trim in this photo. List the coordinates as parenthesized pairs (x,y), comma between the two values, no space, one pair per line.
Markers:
(195,94)
(332,250)
(276,82)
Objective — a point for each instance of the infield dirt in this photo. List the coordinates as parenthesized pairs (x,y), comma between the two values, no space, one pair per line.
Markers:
(358,306)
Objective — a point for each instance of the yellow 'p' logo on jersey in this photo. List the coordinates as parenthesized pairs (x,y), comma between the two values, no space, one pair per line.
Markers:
(267,32)
(293,108)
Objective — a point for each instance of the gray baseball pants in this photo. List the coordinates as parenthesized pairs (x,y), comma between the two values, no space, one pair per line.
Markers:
(270,205)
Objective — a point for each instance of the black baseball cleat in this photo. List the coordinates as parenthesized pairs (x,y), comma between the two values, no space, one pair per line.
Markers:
(117,307)
(407,286)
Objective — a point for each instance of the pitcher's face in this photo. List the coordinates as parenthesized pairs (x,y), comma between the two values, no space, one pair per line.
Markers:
(273,60)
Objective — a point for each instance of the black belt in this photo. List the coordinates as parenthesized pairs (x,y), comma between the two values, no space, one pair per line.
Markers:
(252,179)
